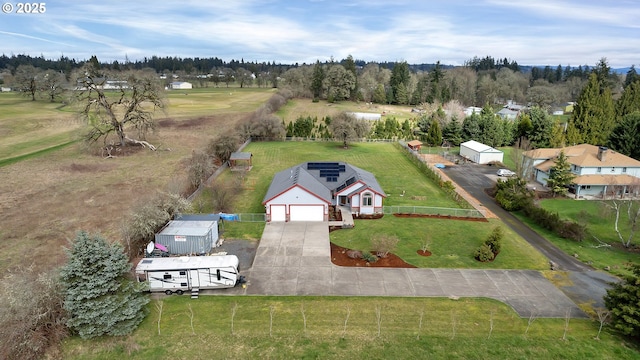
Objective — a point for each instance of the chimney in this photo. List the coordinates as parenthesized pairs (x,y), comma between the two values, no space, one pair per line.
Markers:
(602,153)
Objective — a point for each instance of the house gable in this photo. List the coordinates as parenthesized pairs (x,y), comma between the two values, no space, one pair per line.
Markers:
(315,183)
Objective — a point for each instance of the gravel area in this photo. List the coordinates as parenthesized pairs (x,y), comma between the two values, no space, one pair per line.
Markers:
(245,250)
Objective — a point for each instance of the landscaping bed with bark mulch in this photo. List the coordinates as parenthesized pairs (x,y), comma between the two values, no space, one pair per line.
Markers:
(339,257)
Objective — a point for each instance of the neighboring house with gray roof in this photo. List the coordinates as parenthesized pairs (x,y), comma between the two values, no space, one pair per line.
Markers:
(306,192)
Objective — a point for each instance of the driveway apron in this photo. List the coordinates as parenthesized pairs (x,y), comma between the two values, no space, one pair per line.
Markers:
(294,258)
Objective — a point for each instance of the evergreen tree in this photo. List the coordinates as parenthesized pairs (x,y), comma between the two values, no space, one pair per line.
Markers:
(452,132)
(434,136)
(406,129)
(629,101)
(560,175)
(350,65)
(380,95)
(471,127)
(593,115)
(625,137)
(558,138)
(491,130)
(541,127)
(437,90)
(525,127)
(317,79)
(400,75)
(99,298)
(632,76)
(401,95)
(623,300)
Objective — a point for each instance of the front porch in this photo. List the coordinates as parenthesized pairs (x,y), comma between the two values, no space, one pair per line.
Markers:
(346,218)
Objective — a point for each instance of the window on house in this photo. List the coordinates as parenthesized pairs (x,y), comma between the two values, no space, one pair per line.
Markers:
(367,199)
(599,169)
(624,169)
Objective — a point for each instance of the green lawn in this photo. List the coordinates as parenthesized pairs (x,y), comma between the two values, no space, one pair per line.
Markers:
(349,328)
(393,170)
(599,224)
(452,242)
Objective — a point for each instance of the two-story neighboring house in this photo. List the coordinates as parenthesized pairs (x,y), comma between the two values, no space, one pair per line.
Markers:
(600,172)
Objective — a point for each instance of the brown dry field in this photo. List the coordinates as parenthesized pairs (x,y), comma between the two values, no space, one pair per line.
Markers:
(45,200)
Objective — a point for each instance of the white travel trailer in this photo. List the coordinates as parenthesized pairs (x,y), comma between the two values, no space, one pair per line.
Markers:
(179,274)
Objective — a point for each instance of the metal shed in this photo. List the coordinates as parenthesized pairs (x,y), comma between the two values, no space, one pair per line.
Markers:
(190,234)
(480,153)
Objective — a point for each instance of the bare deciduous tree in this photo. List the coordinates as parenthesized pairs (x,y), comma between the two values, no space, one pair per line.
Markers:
(603,315)
(629,210)
(384,244)
(114,103)
(345,128)
(27,80)
(32,319)
(159,306)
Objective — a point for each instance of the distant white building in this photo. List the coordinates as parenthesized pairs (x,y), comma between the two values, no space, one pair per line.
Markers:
(5,89)
(480,153)
(180,85)
(366,116)
(472,110)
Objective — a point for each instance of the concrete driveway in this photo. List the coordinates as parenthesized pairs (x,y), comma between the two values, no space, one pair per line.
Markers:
(294,259)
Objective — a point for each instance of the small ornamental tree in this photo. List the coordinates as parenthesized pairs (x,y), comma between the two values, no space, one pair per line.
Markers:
(623,300)
(494,240)
(98,296)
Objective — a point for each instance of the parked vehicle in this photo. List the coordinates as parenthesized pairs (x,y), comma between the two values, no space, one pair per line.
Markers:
(179,274)
(506,172)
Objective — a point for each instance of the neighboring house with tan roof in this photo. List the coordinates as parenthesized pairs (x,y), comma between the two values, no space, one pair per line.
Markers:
(599,171)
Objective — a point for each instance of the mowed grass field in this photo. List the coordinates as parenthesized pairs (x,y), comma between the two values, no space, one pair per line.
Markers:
(46,197)
(349,328)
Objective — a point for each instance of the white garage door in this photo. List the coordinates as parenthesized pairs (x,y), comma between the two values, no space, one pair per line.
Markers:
(278,213)
(306,213)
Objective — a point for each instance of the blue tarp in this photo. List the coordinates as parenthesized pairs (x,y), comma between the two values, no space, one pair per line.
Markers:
(229,217)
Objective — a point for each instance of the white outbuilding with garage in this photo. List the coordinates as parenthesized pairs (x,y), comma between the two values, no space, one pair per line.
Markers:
(480,153)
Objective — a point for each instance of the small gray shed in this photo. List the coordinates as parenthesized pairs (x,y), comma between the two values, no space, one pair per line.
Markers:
(190,234)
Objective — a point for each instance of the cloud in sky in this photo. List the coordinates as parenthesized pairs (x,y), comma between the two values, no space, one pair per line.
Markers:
(540,32)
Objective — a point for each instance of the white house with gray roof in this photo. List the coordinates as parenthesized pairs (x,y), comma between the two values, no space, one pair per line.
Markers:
(305,192)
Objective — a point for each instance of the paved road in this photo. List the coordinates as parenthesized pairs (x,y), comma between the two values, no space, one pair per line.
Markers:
(587,285)
(295,259)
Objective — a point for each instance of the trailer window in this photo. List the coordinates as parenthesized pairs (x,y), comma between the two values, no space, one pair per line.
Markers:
(183,273)
(167,276)
(218,273)
(183,284)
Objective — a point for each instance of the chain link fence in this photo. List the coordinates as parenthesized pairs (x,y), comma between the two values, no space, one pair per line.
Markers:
(426,210)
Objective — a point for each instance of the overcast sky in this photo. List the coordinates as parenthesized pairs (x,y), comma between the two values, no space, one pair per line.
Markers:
(534,32)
